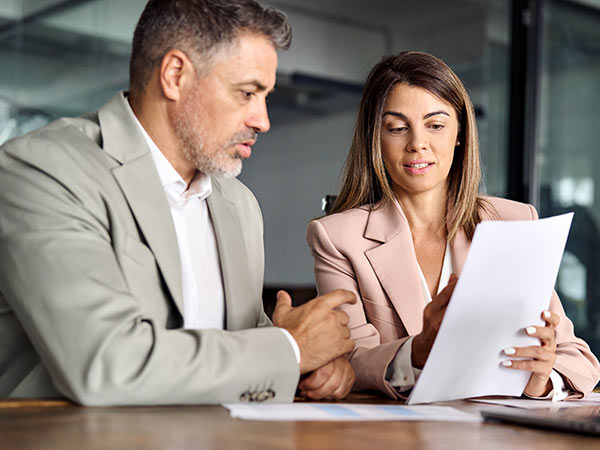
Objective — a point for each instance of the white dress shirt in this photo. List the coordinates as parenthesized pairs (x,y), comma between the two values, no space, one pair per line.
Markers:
(202,282)
(403,376)
(203,297)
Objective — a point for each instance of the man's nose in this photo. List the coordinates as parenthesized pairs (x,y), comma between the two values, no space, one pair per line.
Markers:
(259,118)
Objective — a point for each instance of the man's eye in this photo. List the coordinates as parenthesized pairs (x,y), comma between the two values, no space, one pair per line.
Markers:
(247,94)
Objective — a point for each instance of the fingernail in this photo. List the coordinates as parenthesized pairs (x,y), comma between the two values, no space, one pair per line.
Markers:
(507,363)
(510,351)
(546,314)
(530,330)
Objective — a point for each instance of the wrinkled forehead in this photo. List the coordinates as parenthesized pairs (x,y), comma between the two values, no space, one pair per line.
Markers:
(251,60)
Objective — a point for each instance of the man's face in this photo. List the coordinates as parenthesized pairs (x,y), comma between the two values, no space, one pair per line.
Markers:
(223,110)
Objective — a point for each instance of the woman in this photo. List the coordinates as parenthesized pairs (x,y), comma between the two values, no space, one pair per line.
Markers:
(402,225)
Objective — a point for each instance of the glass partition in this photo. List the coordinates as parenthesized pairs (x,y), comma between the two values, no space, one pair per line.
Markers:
(66,58)
(568,158)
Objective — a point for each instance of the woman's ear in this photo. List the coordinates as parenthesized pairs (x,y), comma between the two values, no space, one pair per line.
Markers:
(459,137)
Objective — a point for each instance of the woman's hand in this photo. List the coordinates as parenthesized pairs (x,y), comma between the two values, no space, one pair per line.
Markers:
(432,319)
(539,359)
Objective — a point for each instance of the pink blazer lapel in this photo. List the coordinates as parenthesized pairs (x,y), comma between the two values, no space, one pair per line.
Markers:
(395,263)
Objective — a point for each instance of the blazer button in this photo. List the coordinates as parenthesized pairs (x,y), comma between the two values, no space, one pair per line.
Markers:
(264,395)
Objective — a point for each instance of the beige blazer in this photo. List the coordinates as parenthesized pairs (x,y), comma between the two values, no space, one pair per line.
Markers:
(371,253)
(90,281)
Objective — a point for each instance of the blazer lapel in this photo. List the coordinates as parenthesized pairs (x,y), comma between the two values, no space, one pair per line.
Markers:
(395,263)
(138,178)
(232,254)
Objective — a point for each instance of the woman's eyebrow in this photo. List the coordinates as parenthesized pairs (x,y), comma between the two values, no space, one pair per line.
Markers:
(394,113)
(403,117)
(428,115)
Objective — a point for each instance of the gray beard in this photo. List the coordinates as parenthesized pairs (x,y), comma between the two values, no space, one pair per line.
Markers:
(219,163)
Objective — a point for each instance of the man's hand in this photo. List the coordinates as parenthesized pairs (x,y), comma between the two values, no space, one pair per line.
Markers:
(539,358)
(332,381)
(432,319)
(320,331)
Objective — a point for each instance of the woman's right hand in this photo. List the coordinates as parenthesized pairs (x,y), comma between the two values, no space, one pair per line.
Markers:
(432,319)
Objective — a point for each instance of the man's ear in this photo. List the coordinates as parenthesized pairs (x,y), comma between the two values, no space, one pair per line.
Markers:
(176,70)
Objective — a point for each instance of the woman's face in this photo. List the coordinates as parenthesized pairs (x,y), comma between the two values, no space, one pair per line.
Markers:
(418,136)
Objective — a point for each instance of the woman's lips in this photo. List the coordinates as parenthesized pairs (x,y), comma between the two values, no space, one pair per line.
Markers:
(418,167)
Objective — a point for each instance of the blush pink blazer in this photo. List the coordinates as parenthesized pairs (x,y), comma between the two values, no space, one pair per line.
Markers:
(371,253)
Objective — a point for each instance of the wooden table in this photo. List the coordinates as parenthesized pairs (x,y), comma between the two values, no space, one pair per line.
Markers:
(61,425)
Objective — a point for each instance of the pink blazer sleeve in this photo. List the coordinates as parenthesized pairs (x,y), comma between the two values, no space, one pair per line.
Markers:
(574,359)
(370,358)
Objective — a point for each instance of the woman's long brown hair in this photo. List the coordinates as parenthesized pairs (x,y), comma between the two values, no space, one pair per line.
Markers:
(365,180)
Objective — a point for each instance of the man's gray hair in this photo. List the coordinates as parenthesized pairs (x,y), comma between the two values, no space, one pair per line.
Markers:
(199,28)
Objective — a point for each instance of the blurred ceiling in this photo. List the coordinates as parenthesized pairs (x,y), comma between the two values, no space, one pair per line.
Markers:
(69,54)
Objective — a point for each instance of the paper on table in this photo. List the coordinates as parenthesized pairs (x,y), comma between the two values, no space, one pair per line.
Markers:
(346,412)
(592,397)
(530,403)
(505,284)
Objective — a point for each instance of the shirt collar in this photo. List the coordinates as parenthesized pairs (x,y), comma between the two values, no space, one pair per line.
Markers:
(173,184)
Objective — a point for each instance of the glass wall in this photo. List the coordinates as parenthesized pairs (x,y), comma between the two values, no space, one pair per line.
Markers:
(568,158)
(490,96)
(66,58)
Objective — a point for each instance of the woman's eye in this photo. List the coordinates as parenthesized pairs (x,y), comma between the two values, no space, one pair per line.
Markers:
(437,126)
(397,129)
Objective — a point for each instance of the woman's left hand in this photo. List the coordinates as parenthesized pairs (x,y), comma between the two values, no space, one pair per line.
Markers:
(539,359)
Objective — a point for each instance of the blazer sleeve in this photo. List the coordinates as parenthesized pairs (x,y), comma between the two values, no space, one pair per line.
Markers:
(62,279)
(333,270)
(574,359)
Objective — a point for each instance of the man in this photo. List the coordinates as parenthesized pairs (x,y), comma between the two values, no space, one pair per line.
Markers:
(132,260)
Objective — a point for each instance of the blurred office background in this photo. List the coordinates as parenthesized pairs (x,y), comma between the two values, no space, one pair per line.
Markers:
(531,67)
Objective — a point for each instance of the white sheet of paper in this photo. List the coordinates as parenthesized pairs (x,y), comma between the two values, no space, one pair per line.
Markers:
(346,412)
(505,284)
(592,397)
(530,403)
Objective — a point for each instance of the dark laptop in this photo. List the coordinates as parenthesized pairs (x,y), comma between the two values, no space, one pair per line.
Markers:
(577,420)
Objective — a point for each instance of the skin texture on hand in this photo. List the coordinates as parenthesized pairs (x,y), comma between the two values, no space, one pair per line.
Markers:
(320,331)
(432,319)
(539,358)
(332,381)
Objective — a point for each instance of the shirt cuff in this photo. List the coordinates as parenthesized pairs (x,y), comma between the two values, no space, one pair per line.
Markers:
(293,343)
(400,373)
(559,391)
